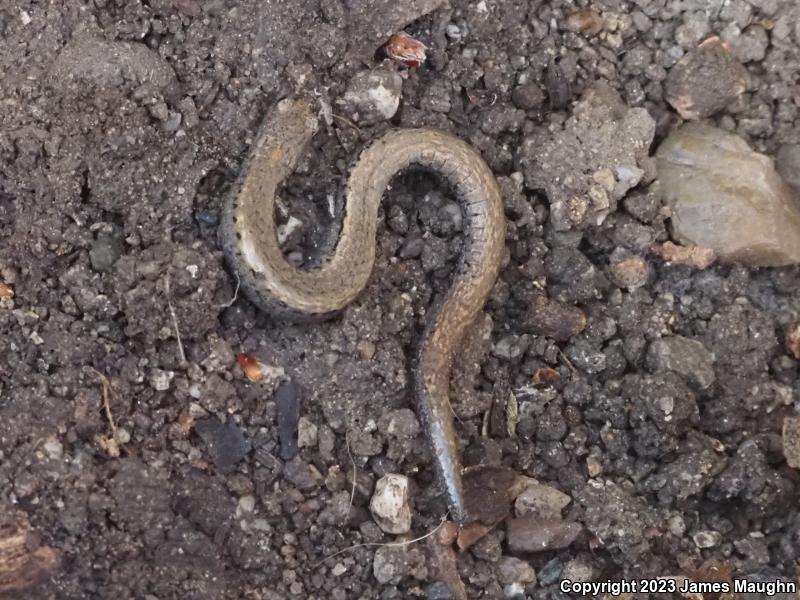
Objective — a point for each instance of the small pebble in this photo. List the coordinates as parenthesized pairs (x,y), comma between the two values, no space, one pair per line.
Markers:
(306,433)
(542,501)
(578,569)
(514,590)
(685,356)
(791,441)
(705,81)
(628,271)
(728,198)
(54,448)
(160,380)
(225,442)
(533,534)
(373,96)
(302,475)
(246,504)
(105,250)
(438,590)
(514,570)
(707,539)
(528,96)
(401,424)
(389,504)
(552,319)
(389,564)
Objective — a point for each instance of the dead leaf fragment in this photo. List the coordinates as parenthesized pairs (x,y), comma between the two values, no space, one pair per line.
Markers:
(250,367)
(5,291)
(585,21)
(545,376)
(691,256)
(406,50)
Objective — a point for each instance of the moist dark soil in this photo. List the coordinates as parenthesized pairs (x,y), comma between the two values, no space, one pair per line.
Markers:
(124,123)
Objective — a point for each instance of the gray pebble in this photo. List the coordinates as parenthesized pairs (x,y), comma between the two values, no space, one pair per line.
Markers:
(685,356)
(105,251)
(301,474)
(514,590)
(551,572)
(749,45)
(705,81)
(373,96)
(514,570)
(528,96)
(401,424)
(694,28)
(436,97)
(532,534)
(542,501)
(397,220)
(390,565)
(438,591)
(225,442)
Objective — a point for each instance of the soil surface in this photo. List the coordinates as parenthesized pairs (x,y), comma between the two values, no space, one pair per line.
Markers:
(150,467)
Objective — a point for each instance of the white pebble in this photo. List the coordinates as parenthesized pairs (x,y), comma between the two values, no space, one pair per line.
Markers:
(53,448)
(389,504)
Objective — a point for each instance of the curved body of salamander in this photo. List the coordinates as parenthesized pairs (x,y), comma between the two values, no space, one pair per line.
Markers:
(249,239)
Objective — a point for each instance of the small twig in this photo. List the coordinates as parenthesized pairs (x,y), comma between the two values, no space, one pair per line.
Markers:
(235,293)
(348,121)
(567,361)
(106,400)
(355,473)
(384,545)
(181,353)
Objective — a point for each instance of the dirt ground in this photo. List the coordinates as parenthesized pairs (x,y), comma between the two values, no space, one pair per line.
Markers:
(124,122)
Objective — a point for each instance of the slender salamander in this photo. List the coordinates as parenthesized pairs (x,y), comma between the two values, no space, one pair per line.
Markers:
(248,235)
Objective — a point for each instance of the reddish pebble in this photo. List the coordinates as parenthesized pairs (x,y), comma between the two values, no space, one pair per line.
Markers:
(405,49)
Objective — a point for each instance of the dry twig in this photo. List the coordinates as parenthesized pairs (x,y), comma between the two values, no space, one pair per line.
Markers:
(181,353)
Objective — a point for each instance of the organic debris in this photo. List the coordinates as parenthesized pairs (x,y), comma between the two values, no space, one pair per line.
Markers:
(691,256)
(406,50)
(250,367)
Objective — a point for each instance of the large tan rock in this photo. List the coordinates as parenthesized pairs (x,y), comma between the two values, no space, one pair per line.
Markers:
(726,197)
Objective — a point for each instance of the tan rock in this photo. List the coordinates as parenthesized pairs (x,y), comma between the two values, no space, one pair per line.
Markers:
(791,441)
(726,197)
